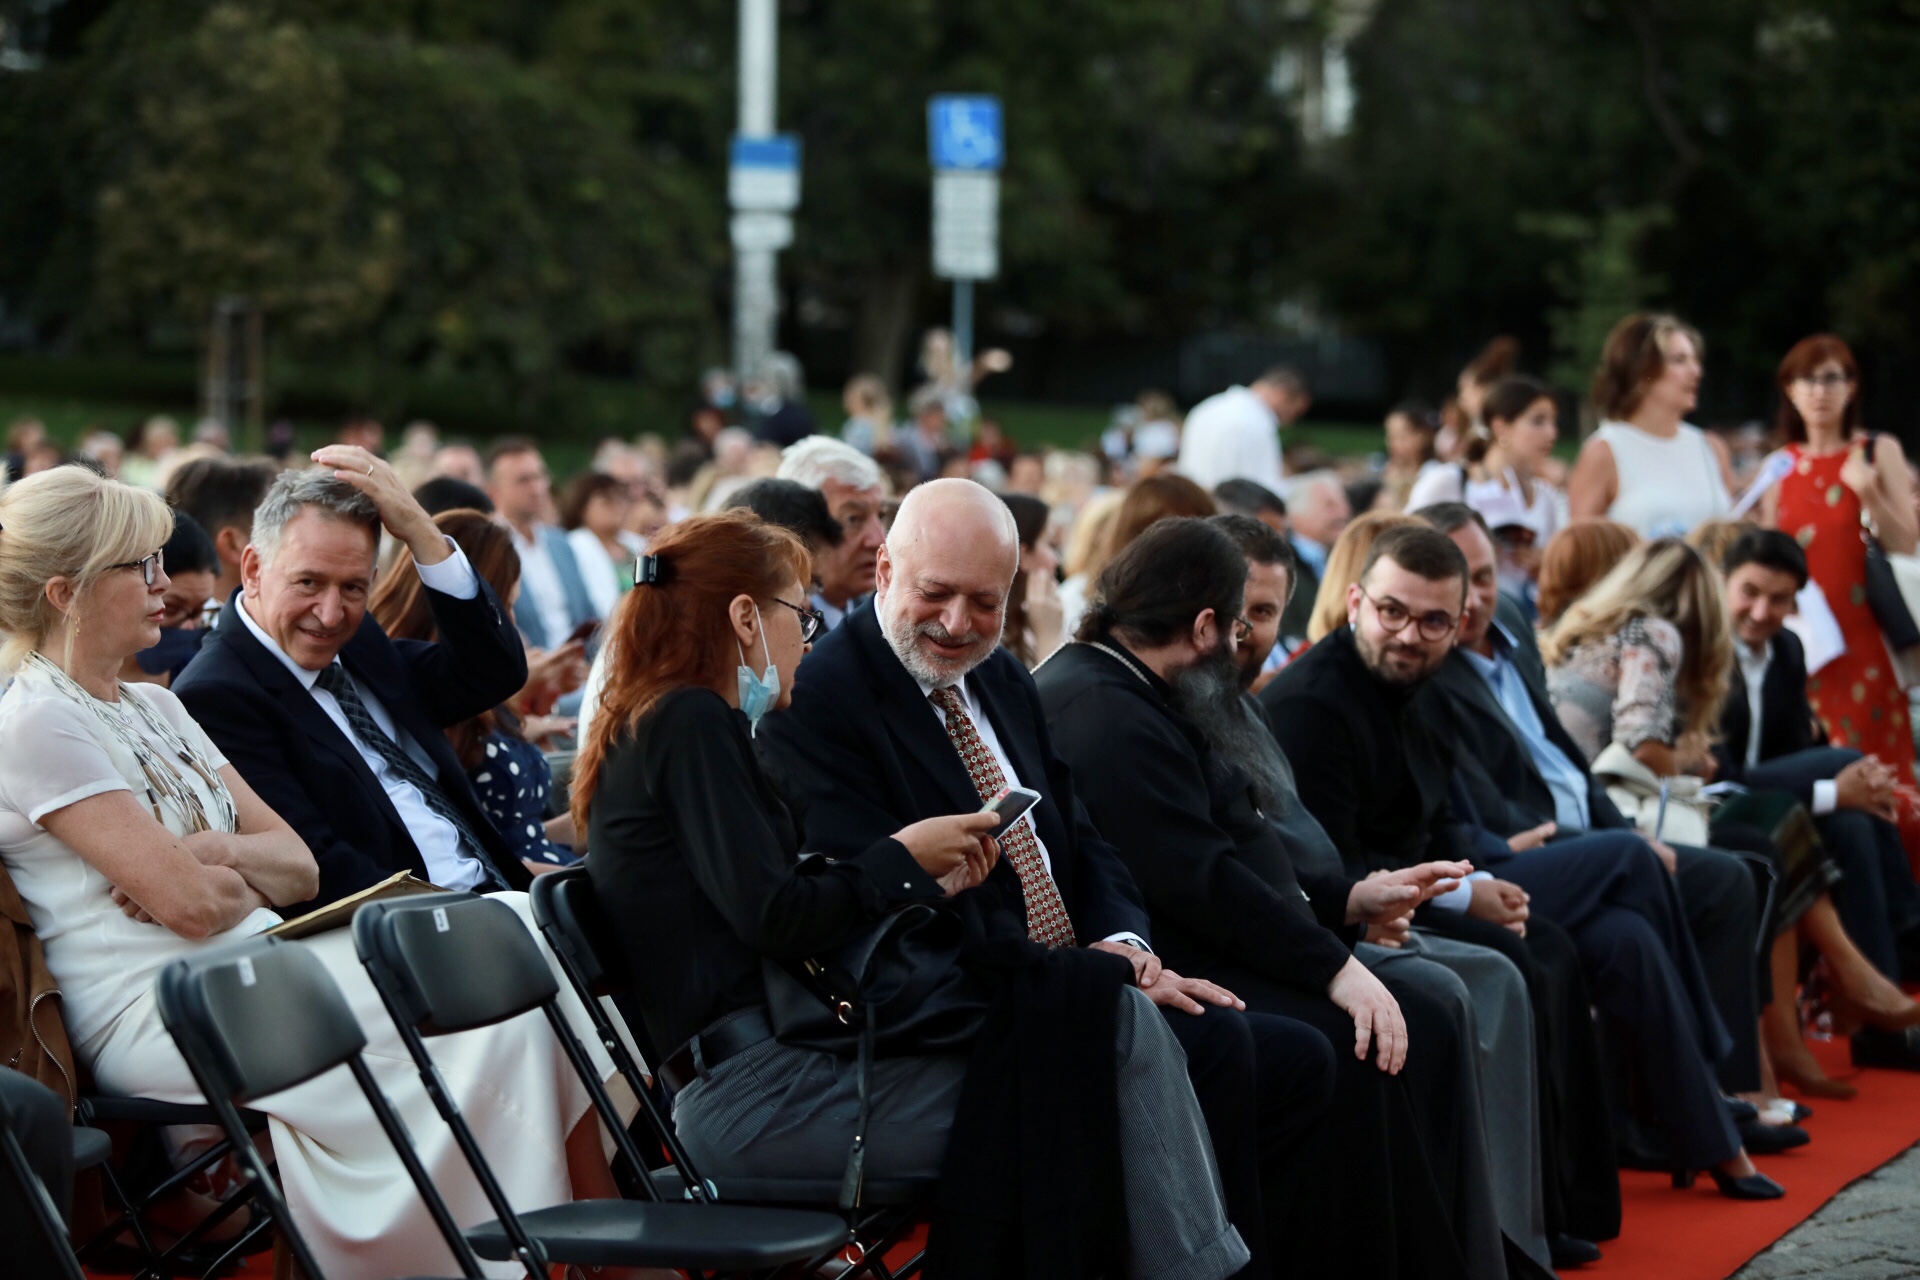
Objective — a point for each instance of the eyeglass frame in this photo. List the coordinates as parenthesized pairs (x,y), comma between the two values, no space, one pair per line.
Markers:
(1242,630)
(1419,623)
(150,566)
(1826,382)
(812,621)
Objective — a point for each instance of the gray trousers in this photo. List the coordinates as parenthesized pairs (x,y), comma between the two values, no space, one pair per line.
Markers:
(1488,997)
(778,1112)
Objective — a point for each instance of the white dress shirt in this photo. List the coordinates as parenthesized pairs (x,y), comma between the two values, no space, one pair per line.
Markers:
(540,587)
(448,865)
(1229,436)
(1753,668)
(991,741)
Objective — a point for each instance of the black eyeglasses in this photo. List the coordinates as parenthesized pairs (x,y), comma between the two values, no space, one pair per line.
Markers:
(812,621)
(1395,616)
(150,567)
(1242,630)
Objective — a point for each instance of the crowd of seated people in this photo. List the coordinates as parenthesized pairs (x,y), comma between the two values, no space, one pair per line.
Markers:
(1372,909)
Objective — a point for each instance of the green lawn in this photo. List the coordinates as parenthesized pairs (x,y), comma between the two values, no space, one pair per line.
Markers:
(1033,425)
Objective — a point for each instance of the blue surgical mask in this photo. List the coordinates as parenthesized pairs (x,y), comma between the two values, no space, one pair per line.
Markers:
(757,692)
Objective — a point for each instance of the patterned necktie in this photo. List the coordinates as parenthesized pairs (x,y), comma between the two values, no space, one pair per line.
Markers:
(333,678)
(1047,921)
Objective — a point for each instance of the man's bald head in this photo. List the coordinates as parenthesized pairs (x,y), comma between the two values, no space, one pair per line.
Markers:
(954,518)
(944,576)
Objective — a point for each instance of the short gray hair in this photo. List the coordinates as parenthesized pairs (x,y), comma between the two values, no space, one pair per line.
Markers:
(818,459)
(315,487)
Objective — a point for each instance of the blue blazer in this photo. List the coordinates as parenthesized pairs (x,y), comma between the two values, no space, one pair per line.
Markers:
(861,753)
(579,604)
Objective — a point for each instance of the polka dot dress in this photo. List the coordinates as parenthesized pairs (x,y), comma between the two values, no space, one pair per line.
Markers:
(513,782)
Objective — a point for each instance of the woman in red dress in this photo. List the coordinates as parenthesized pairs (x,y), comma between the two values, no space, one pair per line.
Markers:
(1840,471)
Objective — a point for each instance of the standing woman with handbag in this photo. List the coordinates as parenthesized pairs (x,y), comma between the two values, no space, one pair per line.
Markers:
(1842,479)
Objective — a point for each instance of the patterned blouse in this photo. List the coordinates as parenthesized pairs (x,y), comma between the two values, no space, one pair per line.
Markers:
(513,781)
(1620,689)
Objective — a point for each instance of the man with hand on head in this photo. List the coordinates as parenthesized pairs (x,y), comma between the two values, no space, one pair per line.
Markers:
(910,710)
(1376,769)
(1146,710)
(855,490)
(340,729)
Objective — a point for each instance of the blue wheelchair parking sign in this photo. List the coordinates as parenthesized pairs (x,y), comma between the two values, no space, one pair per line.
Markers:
(964,132)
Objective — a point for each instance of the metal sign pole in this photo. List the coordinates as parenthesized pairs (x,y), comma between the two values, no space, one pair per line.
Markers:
(963,333)
(761,225)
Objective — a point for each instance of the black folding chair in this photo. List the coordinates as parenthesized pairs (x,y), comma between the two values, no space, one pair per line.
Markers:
(570,916)
(261,1016)
(455,961)
(32,1237)
(131,1206)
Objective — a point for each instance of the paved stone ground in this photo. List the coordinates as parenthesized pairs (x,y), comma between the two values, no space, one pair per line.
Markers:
(1870,1231)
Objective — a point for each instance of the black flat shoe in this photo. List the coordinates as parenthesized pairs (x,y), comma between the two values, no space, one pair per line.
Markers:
(1755,1186)
(1899,1050)
(1742,1111)
(1571,1251)
(1771,1139)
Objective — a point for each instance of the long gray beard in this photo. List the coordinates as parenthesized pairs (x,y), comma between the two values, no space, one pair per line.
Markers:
(1208,693)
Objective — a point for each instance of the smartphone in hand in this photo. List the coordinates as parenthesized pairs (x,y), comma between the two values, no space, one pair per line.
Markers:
(1011,805)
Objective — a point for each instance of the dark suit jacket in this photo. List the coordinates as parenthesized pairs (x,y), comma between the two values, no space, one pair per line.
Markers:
(302,765)
(861,753)
(1792,757)
(1217,879)
(1496,769)
(1368,765)
(1293,623)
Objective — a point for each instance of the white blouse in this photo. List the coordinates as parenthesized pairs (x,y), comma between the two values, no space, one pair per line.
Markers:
(54,753)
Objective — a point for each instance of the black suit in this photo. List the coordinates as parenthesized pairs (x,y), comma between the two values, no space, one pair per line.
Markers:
(1306,589)
(1876,897)
(1229,906)
(298,760)
(1499,775)
(862,753)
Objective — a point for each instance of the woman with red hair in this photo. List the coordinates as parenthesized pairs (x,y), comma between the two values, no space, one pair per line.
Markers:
(1842,478)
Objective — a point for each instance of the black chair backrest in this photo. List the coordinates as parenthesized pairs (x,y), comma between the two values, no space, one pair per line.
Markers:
(454,961)
(584,936)
(32,1237)
(265,1014)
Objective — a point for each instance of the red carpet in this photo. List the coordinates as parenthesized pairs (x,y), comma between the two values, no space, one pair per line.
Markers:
(1701,1235)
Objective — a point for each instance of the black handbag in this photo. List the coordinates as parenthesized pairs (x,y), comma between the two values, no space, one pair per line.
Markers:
(1884,597)
(898,989)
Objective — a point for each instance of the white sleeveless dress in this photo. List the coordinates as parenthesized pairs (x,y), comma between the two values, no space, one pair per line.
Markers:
(1667,487)
(347,1189)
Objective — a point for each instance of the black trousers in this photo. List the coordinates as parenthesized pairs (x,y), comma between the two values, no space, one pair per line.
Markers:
(1609,891)
(1579,1178)
(1876,898)
(45,1135)
(1360,1193)
(1723,914)
(1261,1081)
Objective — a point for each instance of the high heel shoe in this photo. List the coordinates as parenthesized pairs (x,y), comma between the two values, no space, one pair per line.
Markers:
(1755,1186)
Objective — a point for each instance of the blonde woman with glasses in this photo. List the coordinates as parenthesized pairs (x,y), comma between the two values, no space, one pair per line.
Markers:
(133,843)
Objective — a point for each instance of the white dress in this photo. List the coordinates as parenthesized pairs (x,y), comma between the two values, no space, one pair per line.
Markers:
(347,1189)
(1666,487)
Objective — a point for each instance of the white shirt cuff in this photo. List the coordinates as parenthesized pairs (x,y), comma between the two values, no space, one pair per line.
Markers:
(453,576)
(1460,897)
(1131,939)
(1826,796)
